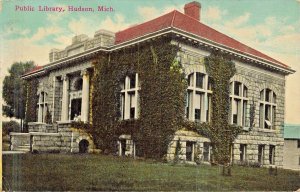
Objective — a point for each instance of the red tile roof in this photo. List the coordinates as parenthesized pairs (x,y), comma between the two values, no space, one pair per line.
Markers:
(186,23)
(36,68)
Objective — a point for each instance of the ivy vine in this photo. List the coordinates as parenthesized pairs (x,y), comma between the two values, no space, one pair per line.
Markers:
(219,130)
(31,101)
(222,134)
(161,97)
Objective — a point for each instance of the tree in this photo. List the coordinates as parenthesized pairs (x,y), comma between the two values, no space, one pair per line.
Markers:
(14,90)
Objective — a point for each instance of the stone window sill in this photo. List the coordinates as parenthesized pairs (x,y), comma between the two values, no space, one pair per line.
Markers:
(266,130)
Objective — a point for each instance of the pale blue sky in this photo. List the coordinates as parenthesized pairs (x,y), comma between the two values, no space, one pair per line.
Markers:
(271,26)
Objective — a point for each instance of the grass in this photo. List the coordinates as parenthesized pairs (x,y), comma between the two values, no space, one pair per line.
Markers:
(61,172)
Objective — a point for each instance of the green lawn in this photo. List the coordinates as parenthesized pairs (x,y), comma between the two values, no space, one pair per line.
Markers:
(97,172)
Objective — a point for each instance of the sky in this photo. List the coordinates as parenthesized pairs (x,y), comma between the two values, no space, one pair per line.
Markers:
(270,26)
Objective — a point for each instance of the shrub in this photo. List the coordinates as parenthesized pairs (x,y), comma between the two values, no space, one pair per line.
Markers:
(10,126)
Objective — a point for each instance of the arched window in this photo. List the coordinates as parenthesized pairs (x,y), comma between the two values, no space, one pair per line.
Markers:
(238,103)
(42,107)
(198,101)
(267,109)
(130,97)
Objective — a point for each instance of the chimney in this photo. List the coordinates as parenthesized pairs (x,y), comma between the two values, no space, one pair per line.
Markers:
(193,10)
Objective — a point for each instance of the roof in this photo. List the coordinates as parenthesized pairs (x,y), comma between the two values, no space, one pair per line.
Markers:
(35,69)
(178,20)
(292,131)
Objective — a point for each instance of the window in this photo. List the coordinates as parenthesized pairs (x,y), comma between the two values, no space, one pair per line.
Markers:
(261,153)
(267,109)
(197,114)
(42,107)
(206,151)
(198,105)
(243,149)
(272,154)
(238,102)
(78,84)
(129,97)
(189,151)
(132,82)
(199,80)
(198,98)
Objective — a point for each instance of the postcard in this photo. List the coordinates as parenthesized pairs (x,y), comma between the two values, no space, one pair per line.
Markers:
(164,95)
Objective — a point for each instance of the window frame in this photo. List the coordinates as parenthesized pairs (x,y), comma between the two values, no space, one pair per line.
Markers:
(205,97)
(267,107)
(126,94)
(243,152)
(261,157)
(42,106)
(206,151)
(272,153)
(241,101)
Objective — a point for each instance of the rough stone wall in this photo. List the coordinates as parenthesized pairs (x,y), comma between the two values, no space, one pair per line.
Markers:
(187,136)
(47,142)
(19,139)
(256,79)
(82,43)
(70,138)
(52,138)
(37,127)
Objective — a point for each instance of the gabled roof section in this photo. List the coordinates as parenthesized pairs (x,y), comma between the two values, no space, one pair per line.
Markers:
(178,20)
(154,25)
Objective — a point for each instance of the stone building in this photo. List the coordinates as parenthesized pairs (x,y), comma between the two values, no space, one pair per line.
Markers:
(291,151)
(64,90)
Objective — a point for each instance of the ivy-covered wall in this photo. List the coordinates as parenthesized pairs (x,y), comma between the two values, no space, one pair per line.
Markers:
(161,97)
(31,101)
(222,134)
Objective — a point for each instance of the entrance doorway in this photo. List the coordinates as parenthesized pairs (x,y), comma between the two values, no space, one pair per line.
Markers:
(75,108)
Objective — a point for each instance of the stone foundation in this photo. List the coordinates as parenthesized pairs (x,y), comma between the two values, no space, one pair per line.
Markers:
(19,139)
(194,147)
(43,138)
(37,127)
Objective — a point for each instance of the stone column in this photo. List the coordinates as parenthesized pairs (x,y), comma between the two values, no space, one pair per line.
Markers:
(205,100)
(85,96)
(136,112)
(65,99)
